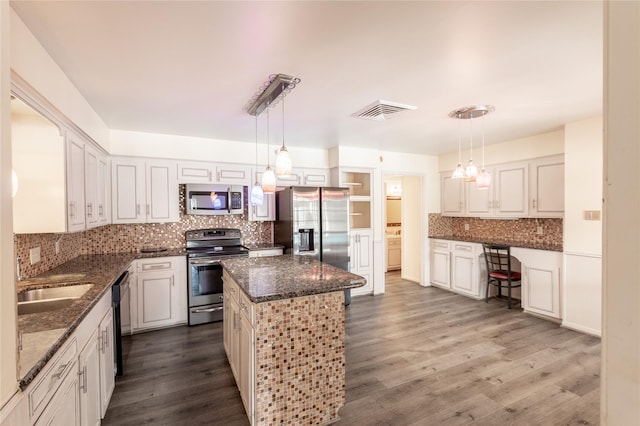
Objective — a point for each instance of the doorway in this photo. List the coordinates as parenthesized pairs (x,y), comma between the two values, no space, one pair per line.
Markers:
(403,227)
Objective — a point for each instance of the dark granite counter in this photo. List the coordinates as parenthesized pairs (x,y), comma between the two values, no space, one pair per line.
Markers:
(44,333)
(513,243)
(263,246)
(265,279)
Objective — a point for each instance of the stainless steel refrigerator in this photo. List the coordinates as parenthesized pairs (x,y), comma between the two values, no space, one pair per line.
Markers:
(312,221)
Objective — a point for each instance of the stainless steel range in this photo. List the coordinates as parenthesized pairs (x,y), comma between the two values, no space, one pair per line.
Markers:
(205,249)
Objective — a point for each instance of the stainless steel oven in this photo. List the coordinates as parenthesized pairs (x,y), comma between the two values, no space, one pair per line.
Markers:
(205,249)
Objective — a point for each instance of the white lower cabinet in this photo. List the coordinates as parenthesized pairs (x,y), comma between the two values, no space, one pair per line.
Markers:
(541,271)
(440,271)
(394,254)
(107,361)
(239,341)
(159,293)
(89,377)
(64,407)
(460,266)
(361,258)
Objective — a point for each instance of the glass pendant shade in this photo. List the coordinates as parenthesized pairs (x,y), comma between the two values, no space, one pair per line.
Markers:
(268,181)
(471,172)
(458,173)
(283,162)
(483,181)
(257,194)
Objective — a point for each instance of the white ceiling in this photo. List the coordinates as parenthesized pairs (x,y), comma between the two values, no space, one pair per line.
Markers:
(189,68)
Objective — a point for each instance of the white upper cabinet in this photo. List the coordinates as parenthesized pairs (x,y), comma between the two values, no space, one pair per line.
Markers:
(198,172)
(523,189)
(96,187)
(546,187)
(300,177)
(144,191)
(452,195)
(264,212)
(75,184)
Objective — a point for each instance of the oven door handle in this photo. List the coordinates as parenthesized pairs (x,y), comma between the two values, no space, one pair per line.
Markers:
(205,262)
(205,310)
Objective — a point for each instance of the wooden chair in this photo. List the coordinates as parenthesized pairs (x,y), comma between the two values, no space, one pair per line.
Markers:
(498,259)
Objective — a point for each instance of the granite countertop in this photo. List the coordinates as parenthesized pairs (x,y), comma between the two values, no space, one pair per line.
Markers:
(263,246)
(265,279)
(44,333)
(513,243)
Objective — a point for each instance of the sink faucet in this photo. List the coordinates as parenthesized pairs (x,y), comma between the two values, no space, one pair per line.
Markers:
(18,272)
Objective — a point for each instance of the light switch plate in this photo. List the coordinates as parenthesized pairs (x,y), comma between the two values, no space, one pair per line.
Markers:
(592,215)
(539,231)
(34,255)
(466,226)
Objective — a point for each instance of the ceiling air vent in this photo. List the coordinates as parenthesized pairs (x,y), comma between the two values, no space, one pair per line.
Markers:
(381,110)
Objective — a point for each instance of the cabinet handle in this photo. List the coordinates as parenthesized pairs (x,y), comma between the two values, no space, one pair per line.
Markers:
(105,340)
(137,209)
(218,176)
(72,210)
(61,370)
(89,209)
(83,383)
(100,210)
(148,209)
(173,283)
(534,203)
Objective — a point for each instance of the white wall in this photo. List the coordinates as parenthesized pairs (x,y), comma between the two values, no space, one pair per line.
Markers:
(140,144)
(8,364)
(412,241)
(33,64)
(582,278)
(543,145)
(620,383)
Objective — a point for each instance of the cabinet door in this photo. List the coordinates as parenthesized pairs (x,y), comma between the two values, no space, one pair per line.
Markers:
(547,188)
(452,196)
(90,403)
(128,191)
(64,407)
(511,194)
(315,177)
(195,172)
(266,211)
(232,317)
(364,251)
(107,363)
(155,304)
(479,202)
(295,178)
(245,363)
(91,186)
(542,290)
(463,277)
(440,268)
(233,174)
(75,184)
(103,191)
(394,254)
(161,193)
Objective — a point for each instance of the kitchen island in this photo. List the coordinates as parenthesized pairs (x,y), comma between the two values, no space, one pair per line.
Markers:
(284,337)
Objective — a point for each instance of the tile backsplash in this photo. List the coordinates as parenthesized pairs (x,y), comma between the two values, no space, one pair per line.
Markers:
(519,230)
(129,238)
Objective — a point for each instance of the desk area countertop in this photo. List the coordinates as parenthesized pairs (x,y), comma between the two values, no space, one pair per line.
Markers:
(513,243)
(266,279)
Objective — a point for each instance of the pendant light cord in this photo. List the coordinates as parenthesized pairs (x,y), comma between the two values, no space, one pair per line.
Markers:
(482,124)
(459,142)
(471,142)
(268,165)
(256,176)
(283,116)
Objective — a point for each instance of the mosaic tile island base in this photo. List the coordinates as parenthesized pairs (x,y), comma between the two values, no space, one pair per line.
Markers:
(299,335)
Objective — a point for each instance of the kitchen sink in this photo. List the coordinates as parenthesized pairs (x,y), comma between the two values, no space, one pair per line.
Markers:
(59,278)
(50,299)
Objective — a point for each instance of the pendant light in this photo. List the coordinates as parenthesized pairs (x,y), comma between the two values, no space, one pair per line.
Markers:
(268,178)
(484,179)
(257,195)
(458,173)
(471,172)
(283,159)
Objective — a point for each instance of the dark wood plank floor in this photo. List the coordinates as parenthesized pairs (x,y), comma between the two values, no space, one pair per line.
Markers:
(415,356)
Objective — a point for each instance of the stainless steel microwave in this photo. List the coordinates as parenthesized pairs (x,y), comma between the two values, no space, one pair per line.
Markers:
(203,199)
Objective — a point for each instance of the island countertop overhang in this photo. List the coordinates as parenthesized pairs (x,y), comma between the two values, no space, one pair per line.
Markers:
(265,279)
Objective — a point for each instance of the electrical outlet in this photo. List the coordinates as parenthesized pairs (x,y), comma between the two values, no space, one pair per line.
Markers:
(539,231)
(34,255)
(57,247)
(466,226)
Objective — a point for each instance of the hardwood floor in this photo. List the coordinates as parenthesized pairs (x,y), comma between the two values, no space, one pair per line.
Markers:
(414,356)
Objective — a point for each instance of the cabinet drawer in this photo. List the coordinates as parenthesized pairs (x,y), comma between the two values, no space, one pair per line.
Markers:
(156,265)
(230,288)
(246,307)
(49,382)
(463,247)
(439,244)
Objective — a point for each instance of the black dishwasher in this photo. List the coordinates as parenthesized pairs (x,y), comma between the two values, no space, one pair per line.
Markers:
(119,291)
